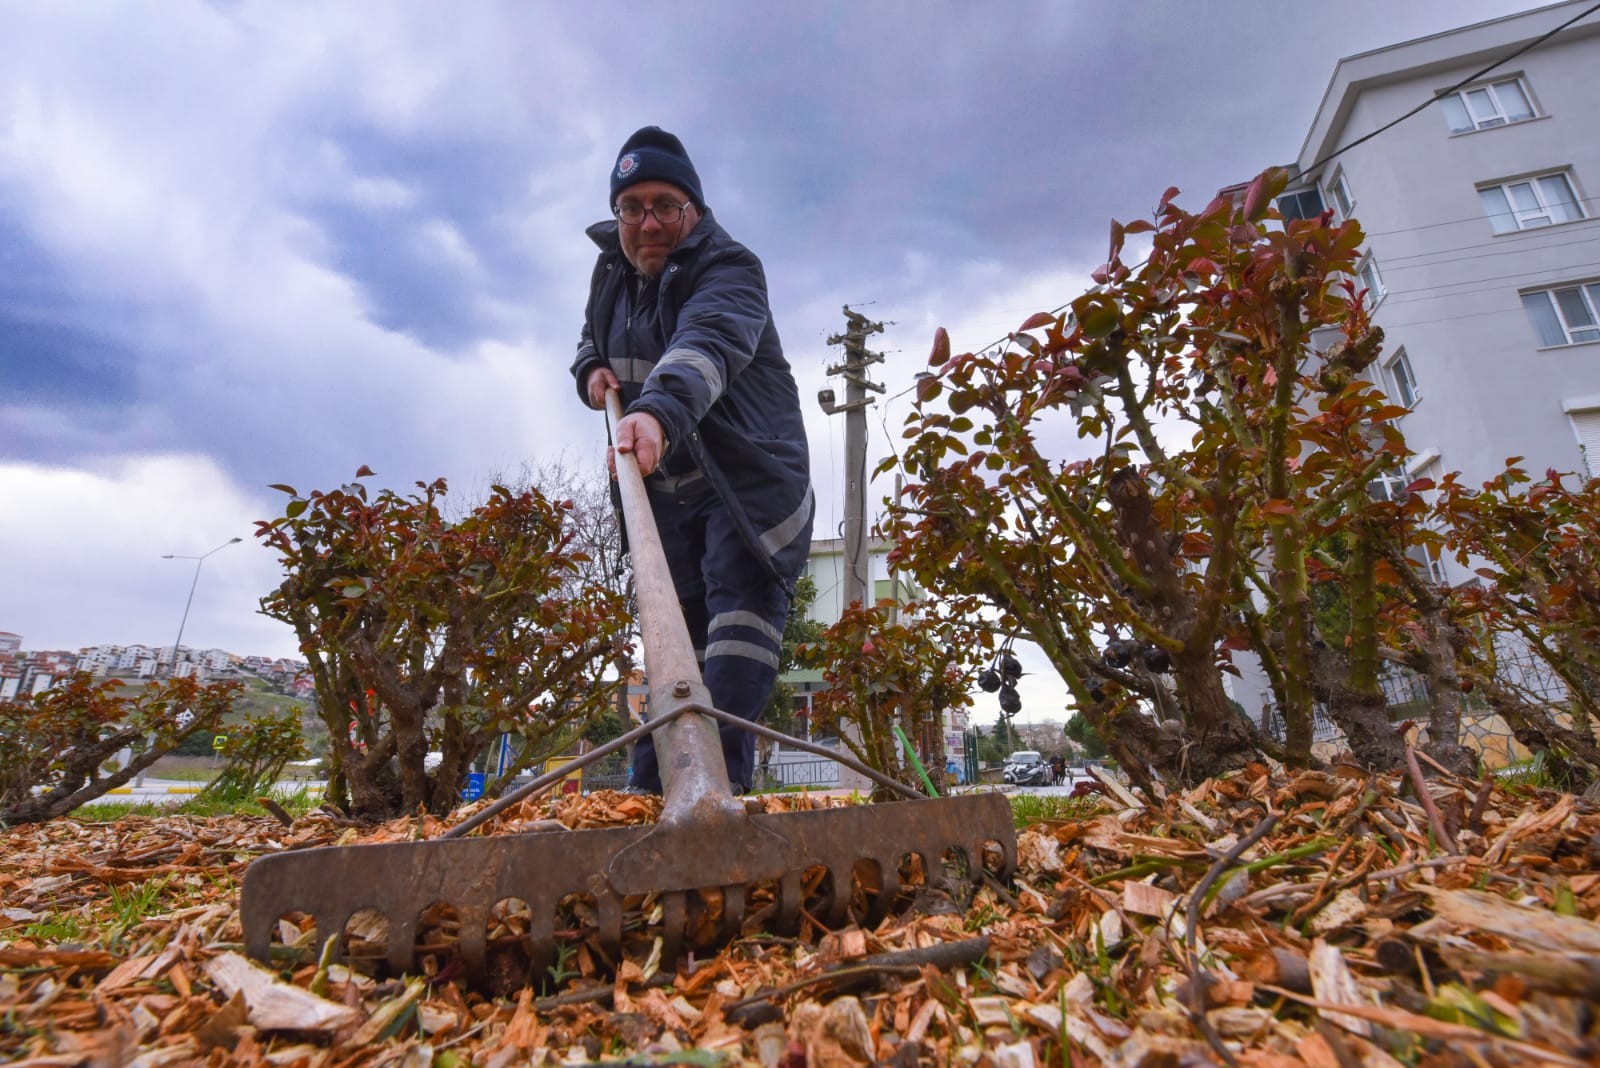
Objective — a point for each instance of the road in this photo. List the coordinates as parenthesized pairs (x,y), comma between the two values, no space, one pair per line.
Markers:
(1063,788)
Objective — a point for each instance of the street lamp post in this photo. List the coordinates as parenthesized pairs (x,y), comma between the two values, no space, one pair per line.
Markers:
(172,670)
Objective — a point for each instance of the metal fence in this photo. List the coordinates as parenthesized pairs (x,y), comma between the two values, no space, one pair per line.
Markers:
(778,774)
(610,773)
(1407,696)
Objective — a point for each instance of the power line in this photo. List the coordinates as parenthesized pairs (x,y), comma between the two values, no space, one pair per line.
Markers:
(1591,265)
(1463,83)
(1392,262)
(1451,318)
(1480,217)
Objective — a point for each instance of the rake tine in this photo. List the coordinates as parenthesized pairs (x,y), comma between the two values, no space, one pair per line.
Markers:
(541,937)
(732,912)
(882,899)
(473,941)
(790,894)
(674,922)
(608,909)
(402,942)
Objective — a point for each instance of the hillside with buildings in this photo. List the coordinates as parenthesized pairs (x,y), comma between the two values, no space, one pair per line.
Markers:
(25,671)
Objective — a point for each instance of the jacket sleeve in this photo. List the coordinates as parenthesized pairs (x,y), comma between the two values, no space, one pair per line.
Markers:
(587,359)
(718,330)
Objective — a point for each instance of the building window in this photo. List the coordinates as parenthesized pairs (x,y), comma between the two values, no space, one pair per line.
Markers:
(1436,569)
(1586,424)
(1483,106)
(1305,204)
(1566,315)
(1389,486)
(1371,282)
(1403,380)
(1339,196)
(1530,202)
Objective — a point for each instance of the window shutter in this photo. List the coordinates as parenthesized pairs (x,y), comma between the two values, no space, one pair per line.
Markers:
(1587,425)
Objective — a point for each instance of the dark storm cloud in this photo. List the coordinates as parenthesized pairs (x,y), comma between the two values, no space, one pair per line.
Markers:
(279,240)
(432,267)
(52,350)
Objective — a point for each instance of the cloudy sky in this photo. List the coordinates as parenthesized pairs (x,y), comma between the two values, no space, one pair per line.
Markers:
(245,243)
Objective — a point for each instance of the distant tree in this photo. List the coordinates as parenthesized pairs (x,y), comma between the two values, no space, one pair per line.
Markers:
(1082,731)
(600,549)
(991,745)
(602,727)
(56,743)
(429,634)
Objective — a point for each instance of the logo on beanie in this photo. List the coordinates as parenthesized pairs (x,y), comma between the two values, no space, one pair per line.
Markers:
(627,165)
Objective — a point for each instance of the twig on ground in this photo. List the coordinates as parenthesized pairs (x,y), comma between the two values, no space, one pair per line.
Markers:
(1199,978)
(277,811)
(1425,799)
(899,962)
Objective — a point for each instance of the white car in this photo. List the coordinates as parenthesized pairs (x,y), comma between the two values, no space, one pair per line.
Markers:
(1027,767)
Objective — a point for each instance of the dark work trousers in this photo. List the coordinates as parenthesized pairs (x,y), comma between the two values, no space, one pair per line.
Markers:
(734,607)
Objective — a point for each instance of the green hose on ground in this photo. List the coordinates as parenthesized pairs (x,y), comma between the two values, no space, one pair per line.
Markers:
(911,754)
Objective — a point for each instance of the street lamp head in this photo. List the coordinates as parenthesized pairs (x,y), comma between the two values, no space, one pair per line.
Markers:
(234,541)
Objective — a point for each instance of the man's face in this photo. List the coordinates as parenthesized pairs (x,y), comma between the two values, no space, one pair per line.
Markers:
(648,242)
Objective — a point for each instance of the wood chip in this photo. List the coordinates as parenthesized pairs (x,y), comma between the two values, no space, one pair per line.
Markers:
(276,1005)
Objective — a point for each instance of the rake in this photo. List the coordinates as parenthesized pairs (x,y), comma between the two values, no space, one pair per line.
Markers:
(707,846)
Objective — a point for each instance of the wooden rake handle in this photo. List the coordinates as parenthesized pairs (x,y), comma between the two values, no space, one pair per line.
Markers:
(688,749)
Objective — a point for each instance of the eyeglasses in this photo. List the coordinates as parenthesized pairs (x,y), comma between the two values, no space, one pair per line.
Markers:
(632,214)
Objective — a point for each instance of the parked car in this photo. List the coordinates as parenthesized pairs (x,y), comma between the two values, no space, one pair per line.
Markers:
(1026,767)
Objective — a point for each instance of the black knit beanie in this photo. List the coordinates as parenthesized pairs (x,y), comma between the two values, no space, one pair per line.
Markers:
(653,154)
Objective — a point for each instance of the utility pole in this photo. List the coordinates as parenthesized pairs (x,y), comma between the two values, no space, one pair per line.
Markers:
(854,371)
(856,386)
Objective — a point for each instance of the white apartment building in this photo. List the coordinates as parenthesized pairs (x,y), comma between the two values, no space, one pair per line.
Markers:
(1483,247)
(826,567)
(1482,262)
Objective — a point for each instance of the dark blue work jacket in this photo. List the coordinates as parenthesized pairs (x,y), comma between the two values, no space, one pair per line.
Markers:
(702,355)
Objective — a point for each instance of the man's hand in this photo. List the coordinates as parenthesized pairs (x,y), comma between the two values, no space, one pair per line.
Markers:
(641,435)
(600,380)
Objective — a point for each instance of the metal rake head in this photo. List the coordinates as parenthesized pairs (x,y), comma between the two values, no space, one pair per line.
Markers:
(708,876)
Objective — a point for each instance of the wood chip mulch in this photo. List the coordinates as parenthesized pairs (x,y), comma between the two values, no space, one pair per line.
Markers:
(1267,919)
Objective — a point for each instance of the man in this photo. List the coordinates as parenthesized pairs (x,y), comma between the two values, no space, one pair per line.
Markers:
(678,320)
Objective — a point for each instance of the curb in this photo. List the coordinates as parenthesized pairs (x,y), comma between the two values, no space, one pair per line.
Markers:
(153,790)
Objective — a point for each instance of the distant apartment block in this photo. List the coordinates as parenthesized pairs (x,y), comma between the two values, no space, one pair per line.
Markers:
(826,567)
